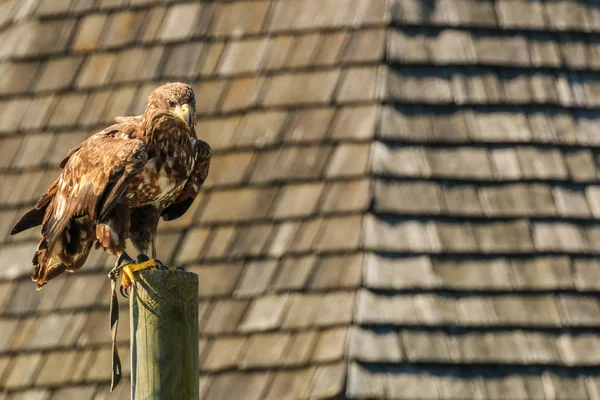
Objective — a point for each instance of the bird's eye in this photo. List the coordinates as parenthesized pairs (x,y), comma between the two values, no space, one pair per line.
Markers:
(171,103)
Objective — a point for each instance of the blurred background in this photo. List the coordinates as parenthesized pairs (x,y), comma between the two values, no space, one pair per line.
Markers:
(402,201)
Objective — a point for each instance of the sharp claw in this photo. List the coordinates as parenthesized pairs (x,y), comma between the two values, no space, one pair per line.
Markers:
(124,264)
(128,267)
(160,265)
(123,260)
(113,274)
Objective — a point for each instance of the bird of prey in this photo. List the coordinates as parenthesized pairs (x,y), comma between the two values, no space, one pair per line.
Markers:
(117,184)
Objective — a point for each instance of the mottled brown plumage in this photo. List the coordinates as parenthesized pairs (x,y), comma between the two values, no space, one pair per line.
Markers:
(116,184)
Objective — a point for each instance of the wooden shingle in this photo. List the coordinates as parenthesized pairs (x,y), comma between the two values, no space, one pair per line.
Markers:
(298,200)
(242,94)
(461,200)
(239,18)
(400,202)
(406,47)
(283,236)
(328,380)
(308,125)
(294,273)
(408,198)
(337,308)
(251,241)
(228,385)
(330,239)
(335,272)
(475,274)
(22,372)
(122,28)
(264,313)
(242,56)
(354,122)
(430,347)
(32,151)
(364,383)
(517,200)
(561,235)
(330,345)
(33,394)
(263,350)
(302,50)
(384,161)
(289,385)
(543,272)
(80,392)
(300,348)
(219,279)
(179,21)
(575,350)
(301,88)
(512,236)
(372,308)
(405,235)
(255,278)
(258,129)
(223,353)
(16,78)
(223,206)
(579,311)
(539,310)
(96,70)
(277,51)
(349,160)
(520,14)
(400,273)
(302,311)
(224,316)
(47,37)
(370,346)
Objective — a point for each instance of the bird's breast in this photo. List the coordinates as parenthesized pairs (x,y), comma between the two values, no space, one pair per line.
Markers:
(162,178)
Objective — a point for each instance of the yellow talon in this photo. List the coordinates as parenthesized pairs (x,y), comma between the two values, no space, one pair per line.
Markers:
(129,269)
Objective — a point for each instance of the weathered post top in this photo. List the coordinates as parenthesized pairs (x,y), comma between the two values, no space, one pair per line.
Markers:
(164,336)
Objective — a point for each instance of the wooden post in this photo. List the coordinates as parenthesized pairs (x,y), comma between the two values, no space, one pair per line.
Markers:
(164,336)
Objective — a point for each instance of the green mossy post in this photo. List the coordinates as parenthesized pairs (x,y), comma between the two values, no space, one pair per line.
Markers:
(165,363)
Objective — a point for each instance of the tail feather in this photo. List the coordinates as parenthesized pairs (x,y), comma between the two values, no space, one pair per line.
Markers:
(46,265)
(76,243)
(63,247)
(31,219)
(35,216)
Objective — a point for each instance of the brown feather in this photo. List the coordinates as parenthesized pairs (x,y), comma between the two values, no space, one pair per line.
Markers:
(35,216)
(118,182)
(88,184)
(192,185)
(144,221)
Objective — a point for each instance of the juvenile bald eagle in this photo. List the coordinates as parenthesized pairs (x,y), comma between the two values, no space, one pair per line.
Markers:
(116,185)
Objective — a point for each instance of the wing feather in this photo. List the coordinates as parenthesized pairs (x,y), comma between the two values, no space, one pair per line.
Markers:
(94,178)
(193,184)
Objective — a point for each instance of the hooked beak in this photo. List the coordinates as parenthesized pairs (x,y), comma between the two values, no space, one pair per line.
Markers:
(184,113)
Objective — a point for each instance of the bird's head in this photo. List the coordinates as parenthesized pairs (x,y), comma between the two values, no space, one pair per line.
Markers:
(176,99)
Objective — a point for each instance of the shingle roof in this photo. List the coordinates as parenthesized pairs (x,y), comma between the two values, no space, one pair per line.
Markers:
(402,201)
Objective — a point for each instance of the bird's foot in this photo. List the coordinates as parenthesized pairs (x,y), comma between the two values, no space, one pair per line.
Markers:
(126,264)
(128,277)
(123,259)
(159,264)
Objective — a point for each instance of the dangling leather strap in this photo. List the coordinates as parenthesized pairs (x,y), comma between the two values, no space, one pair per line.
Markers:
(114,323)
